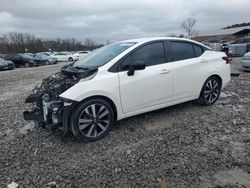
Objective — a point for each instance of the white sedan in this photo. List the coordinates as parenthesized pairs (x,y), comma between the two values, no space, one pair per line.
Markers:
(64,56)
(80,54)
(129,78)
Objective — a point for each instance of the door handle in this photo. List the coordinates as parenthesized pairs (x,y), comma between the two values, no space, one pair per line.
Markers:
(165,71)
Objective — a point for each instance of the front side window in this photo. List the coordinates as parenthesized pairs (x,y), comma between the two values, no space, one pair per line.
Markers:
(181,51)
(150,54)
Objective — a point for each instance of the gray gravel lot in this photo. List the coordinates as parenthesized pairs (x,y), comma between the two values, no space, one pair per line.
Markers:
(188,144)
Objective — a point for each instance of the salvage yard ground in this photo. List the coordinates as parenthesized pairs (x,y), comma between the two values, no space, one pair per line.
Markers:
(188,144)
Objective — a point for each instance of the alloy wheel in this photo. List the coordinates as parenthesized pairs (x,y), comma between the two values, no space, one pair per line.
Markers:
(212,90)
(94,120)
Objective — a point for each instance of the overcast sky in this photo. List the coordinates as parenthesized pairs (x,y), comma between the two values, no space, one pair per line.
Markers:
(115,20)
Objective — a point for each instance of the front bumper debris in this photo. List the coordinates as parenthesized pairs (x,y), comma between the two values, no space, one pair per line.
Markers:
(42,111)
(36,114)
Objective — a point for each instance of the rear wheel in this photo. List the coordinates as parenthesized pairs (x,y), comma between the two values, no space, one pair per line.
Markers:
(92,120)
(70,59)
(210,91)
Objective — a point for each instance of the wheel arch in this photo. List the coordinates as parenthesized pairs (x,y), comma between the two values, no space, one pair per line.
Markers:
(69,110)
(213,75)
(110,101)
(218,77)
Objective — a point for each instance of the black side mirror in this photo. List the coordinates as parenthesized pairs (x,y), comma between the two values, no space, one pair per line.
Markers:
(137,65)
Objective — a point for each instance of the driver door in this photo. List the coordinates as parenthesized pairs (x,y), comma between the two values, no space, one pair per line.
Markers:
(149,87)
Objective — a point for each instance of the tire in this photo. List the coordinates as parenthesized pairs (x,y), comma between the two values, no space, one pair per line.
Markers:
(70,59)
(47,63)
(210,91)
(88,126)
(26,64)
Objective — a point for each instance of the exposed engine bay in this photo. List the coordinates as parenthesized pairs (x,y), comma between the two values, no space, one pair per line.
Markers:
(48,107)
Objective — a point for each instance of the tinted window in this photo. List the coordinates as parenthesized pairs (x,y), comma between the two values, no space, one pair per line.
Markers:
(150,54)
(182,50)
(198,50)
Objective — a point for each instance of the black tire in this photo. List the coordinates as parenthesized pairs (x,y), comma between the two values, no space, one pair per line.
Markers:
(26,64)
(47,63)
(210,91)
(70,59)
(83,122)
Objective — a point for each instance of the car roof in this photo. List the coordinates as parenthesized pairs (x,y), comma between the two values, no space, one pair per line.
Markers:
(144,40)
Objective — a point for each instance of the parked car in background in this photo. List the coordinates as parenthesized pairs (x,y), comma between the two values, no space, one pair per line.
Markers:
(6,64)
(239,47)
(21,60)
(64,56)
(46,58)
(125,79)
(77,55)
(218,45)
(245,40)
(246,61)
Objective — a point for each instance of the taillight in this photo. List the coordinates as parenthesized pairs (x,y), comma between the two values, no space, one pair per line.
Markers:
(227,59)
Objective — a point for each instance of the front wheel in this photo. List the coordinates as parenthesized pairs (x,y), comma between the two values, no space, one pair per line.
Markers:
(70,59)
(210,91)
(92,120)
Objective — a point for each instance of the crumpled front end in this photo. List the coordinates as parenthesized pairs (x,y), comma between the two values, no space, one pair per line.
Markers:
(46,105)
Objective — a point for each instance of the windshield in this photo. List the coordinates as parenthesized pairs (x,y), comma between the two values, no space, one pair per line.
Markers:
(103,55)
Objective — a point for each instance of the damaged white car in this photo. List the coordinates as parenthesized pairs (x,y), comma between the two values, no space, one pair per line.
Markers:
(125,79)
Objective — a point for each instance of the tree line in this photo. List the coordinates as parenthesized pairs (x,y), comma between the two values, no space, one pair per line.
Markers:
(237,25)
(14,42)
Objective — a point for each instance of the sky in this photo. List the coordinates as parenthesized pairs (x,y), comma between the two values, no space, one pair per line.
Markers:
(114,20)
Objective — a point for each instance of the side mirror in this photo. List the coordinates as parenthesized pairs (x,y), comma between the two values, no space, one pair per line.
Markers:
(137,65)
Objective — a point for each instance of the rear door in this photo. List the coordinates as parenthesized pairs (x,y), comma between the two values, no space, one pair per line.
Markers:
(189,67)
(149,87)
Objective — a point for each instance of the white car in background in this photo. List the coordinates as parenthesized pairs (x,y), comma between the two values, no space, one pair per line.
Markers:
(125,79)
(64,56)
(68,56)
(80,54)
(245,62)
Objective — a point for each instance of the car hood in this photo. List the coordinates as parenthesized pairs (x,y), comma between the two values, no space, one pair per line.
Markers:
(77,72)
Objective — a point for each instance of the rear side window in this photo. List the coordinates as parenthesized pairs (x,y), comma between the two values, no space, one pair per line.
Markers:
(150,54)
(198,50)
(181,51)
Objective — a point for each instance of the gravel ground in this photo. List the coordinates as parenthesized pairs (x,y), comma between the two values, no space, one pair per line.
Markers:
(188,144)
